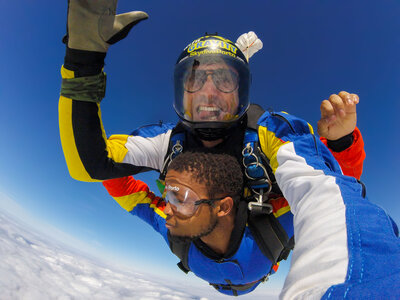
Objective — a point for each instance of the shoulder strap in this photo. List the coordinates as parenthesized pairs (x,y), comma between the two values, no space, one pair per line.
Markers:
(181,250)
(268,233)
(254,113)
(270,236)
(175,146)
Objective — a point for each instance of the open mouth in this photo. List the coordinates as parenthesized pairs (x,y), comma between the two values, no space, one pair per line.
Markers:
(208,113)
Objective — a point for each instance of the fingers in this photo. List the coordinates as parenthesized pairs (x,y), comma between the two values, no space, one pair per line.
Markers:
(339,105)
(349,98)
(350,101)
(326,109)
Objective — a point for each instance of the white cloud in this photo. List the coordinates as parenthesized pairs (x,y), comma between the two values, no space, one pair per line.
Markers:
(34,266)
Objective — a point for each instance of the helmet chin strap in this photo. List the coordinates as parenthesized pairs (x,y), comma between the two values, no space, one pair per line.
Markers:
(211,134)
(212,131)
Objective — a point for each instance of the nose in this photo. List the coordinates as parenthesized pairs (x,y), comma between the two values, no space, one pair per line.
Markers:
(168,209)
(209,85)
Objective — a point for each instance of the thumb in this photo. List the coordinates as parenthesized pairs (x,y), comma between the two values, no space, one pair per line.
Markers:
(323,127)
(122,24)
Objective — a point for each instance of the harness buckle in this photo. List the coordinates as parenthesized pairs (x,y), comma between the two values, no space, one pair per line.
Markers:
(176,149)
(260,206)
(261,183)
(265,278)
(264,208)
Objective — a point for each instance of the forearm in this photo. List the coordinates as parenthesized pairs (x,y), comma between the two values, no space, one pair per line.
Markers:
(135,197)
(88,153)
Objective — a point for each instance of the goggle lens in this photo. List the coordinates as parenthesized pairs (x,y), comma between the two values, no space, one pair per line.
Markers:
(183,203)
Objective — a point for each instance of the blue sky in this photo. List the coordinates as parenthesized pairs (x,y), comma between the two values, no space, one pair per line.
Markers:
(311,50)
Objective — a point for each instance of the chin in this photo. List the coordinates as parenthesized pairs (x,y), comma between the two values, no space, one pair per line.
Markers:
(182,238)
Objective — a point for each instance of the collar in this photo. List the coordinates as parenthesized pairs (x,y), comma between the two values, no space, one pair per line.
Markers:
(236,236)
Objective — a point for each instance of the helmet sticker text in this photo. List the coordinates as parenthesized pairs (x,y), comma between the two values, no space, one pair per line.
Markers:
(212,45)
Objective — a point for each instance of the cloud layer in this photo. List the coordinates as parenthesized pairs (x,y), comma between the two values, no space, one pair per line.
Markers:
(33,266)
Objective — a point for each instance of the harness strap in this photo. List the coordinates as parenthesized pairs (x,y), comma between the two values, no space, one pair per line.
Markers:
(181,250)
(175,146)
(270,236)
(267,231)
(254,113)
(238,287)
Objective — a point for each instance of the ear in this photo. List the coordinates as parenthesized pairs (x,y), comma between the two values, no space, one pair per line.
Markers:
(224,206)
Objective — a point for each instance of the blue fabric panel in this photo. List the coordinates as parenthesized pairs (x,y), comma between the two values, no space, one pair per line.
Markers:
(276,125)
(286,220)
(374,249)
(321,159)
(246,265)
(283,125)
(383,288)
(299,125)
(147,214)
(150,131)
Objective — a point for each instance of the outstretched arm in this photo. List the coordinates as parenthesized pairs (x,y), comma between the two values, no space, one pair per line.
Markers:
(92,27)
(310,179)
(338,131)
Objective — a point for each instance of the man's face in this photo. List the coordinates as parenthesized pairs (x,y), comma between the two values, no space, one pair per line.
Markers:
(216,99)
(204,219)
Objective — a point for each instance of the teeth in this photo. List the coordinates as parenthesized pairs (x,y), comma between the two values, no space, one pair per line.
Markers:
(208,108)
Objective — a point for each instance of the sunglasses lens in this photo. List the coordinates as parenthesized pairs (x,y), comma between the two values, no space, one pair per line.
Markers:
(195,80)
(224,79)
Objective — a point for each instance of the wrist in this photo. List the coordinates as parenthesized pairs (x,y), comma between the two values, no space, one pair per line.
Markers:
(84,63)
(341,144)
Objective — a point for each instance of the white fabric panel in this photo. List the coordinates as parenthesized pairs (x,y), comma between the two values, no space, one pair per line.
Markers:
(320,257)
(147,152)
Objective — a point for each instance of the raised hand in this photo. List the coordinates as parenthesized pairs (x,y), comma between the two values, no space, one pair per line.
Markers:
(338,116)
(93,24)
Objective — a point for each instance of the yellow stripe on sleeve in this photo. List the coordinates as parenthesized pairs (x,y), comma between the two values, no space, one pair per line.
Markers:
(129,202)
(67,74)
(270,145)
(282,211)
(116,147)
(158,211)
(74,163)
(311,128)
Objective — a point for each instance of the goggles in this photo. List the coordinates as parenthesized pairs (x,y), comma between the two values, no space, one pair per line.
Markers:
(184,201)
(225,80)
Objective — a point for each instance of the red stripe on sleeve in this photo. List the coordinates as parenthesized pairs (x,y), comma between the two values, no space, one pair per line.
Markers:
(124,186)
